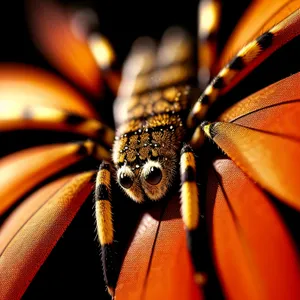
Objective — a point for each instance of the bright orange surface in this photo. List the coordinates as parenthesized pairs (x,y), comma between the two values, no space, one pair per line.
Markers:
(29,86)
(51,29)
(255,256)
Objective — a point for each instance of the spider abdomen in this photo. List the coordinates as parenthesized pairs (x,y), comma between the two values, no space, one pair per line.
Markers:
(154,127)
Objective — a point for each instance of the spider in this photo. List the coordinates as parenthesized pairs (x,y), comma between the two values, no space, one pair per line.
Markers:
(153,117)
(162,116)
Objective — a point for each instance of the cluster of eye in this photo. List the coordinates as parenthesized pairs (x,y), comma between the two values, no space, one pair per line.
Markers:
(153,177)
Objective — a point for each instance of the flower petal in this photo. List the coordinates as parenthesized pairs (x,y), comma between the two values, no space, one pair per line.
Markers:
(254,254)
(32,86)
(26,210)
(157,264)
(51,29)
(285,92)
(31,245)
(271,160)
(22,171)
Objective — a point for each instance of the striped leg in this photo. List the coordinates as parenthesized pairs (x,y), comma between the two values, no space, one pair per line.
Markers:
(105,225)
(248,58)
(87,27)
(209,13)
(190,208)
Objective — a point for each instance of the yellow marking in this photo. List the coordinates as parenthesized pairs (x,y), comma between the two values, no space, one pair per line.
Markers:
(162,120)
(103,177)
(200,278)
(197,108)
(102,51)
(104,222)
(223,72)
(144,138)
(198,138)
(189,194)
(144,152)
(246,48)
(209,90)
(47,113)
(249,52)
(227,74)
(206,129)
(131,155)
(91,125)
(9,110)
(212,93)
(199,111)
(89,146)
(170,93)
(209,14)
(94,126)
(122,157)
(96,150)
(189,207)
(187,160)
(154,152)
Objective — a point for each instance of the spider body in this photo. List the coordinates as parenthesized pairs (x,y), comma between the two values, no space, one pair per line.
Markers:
(149,142)
(150,113)
(156,112)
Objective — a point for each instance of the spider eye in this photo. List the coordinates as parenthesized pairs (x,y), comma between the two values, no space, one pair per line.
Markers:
(125,180)
(154,176)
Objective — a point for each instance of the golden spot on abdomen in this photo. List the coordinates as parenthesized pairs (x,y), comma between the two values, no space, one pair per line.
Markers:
(144,152)
(131,155)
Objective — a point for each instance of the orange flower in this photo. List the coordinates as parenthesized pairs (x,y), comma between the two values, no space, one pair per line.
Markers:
(249,179)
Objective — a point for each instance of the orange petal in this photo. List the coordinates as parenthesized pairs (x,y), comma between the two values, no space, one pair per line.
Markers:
(52,32)
(27,209)
(254,254)
(283,91)
(258,18)
(32,86)
(159,245)
(22,171)
(271,160)
(31,245)
(274,109)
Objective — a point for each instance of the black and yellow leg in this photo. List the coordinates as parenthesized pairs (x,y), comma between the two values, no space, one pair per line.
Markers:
(246,60)
(209,14)
(190,208)
(105,226)
(86,24)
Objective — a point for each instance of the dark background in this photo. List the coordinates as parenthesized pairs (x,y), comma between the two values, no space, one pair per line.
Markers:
(121,21)
(73,270)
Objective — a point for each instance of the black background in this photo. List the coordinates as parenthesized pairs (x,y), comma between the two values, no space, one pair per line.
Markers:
(121,21)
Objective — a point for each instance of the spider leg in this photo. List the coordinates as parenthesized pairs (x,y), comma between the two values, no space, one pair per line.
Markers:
(105,57)
(16,116)
(248,58)
(87,27)
(209,12)
(105,225)
(190,208)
